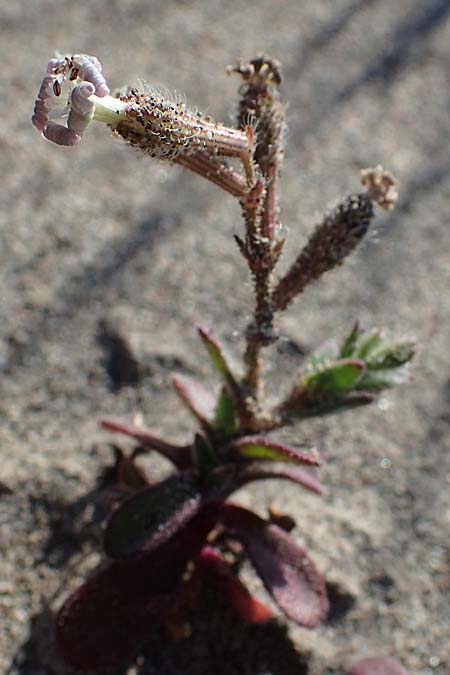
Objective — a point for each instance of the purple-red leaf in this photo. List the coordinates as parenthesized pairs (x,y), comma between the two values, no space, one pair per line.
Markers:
(262,448)
(378,665)
(104,621)
(199,401)
(177,454)
(285,567)
(149,518)
(307,477)
(248,608)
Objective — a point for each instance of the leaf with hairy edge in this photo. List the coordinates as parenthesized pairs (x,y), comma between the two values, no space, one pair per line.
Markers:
(152,516)
(101,625)
(259,447)
(391,355)
(225,418)
(376,380)
(306,477)
(177,454)
(215,352)
(285,567)
(379,665)
(211,563)
(198,400)
(367,343)
(335,378)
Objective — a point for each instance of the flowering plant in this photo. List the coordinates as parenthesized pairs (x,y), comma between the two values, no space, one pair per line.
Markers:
(164,539)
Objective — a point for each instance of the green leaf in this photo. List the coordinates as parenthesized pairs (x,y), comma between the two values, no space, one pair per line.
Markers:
(205,458)
(152,516)
(225,418)
(334,378)
(262,448)
(349,344)
(368,343)
(215,352)
(376,380)
(391,355)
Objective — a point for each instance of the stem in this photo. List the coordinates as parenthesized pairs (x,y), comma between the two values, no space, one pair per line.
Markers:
(216,171)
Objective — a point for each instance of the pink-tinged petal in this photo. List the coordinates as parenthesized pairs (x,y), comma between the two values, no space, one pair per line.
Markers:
(285,567)
(199,401)
(152,516)
(79,97)
(306,477)
(101,625)
(177,454)
(46,88)
(378,665)
(211,563)
(89,70)
(262,448)
(40,115)
(57,133)
(54,63)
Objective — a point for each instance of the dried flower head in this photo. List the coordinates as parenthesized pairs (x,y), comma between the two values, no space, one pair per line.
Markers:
(381,186)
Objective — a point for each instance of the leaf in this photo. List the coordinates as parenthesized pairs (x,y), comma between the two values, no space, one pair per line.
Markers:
(335,378)
(259,447)
(198,400)
(367,343)
(215,352)
(177,454)
(285,567)
(376,380)
(149,518)
(377,666)
(391,355)
(349,344)
(225,419)
(248,608)
(205,458)
(306,477)
(101,625)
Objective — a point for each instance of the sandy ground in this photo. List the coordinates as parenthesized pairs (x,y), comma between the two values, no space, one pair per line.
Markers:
(99,233)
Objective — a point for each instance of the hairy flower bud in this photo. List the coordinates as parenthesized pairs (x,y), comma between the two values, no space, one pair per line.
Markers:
(337,236)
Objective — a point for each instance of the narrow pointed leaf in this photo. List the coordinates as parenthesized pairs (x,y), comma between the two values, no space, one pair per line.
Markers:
(215,352)
(285,567)
(261,448)
(306,477)
(101,625)
(152,516)
(198,400)
(248,608)
(225,418)
(377,666)
(335,378)
(177,454)
(349,344)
